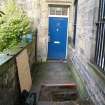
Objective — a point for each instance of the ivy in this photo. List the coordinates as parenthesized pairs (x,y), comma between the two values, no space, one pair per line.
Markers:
(13,24)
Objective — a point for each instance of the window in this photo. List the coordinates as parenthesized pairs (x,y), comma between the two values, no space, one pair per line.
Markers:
(58,11)
(52,11)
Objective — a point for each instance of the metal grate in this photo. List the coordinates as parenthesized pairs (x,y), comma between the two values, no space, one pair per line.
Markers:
(100,38)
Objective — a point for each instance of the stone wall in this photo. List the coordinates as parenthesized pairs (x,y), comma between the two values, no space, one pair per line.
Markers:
(90,81)
(37,10)
(32,10)
(92,78)
(9,84)
(9,87)
(86,29)
(42,38)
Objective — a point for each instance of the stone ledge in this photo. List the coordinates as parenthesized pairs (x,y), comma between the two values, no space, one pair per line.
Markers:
(6,56)
(57,1)
(98,70)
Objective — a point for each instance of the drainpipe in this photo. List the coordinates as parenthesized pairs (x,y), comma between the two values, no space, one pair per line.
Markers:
(75,21)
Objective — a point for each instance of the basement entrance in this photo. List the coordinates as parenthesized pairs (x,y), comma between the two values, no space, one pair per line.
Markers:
(58,24)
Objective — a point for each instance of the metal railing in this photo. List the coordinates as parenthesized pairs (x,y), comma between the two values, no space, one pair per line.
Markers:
(100,37)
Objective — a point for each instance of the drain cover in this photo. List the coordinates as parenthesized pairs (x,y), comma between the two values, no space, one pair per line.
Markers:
(58,92)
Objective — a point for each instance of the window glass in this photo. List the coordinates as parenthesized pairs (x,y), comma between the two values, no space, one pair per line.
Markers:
(52,11)
(64,11)
(58,10)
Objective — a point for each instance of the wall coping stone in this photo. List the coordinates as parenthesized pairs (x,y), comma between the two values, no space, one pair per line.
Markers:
(98,70)
(7,56)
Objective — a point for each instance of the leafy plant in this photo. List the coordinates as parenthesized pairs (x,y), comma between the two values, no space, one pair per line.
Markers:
(13,25)
(1,13)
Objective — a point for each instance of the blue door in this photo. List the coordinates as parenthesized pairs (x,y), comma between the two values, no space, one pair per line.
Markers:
(57,38)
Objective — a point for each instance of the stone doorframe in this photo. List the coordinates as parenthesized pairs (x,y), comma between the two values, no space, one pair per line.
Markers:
(42,40)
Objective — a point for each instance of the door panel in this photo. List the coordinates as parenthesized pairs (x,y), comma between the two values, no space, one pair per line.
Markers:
(57,38)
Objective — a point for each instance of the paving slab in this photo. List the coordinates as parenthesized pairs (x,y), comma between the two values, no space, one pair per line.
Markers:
(51,73)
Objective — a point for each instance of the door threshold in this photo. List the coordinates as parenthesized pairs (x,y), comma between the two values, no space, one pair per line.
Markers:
(57,61)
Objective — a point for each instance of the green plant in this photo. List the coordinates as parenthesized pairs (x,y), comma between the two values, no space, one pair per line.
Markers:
(13,25)
(1,13)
